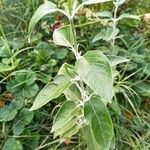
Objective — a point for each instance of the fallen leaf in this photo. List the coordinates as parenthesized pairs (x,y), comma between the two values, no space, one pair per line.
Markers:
(128,115)
(2,103)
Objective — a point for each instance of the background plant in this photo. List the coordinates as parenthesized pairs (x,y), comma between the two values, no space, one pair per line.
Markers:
(129,131)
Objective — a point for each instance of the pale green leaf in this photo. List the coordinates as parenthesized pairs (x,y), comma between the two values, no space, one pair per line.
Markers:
(98,117)
(51,91)
(95,70)
(65,119)
(106,14)
(115,60)
(106,34)
(129,16)
(73,93)
(67,70)
(63,36)
(72,131)
(44,9)
(8,67)
(115,72)
(66,127)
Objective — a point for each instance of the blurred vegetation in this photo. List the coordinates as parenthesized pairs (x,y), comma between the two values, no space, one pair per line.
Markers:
(26,67)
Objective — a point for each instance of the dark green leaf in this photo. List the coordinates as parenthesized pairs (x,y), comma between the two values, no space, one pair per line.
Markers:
(60,53)
(24,84)
(12,144)
(98,117)
(22,120)
(89,138)
(143,88)
(9,111)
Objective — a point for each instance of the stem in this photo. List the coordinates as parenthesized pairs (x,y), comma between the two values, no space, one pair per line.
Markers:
(48,144)
(3,127)
(77,55)
(88,23)
(75,46)
(114,25)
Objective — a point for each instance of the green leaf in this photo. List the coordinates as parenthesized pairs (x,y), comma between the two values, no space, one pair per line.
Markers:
(129,16)
(95,70)
(67,111)
(63,36)
(4,52)
(71,131)
(89,138)
(9,67)
(43,53)
(143,88)
(66,127)
(67,70)
(23,119)
(10,111)
(60,53)
(29,91)
(12,144)
(115,60)
(65,122)
(33,141)
(51,91)
(73,93)
(89,2)
(98,117)
(106,34)
(114,105)
(147,69)
(24,84)
(43,77)
(44,9)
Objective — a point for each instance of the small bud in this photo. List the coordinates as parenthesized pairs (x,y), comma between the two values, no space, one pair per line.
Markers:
(146,18)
